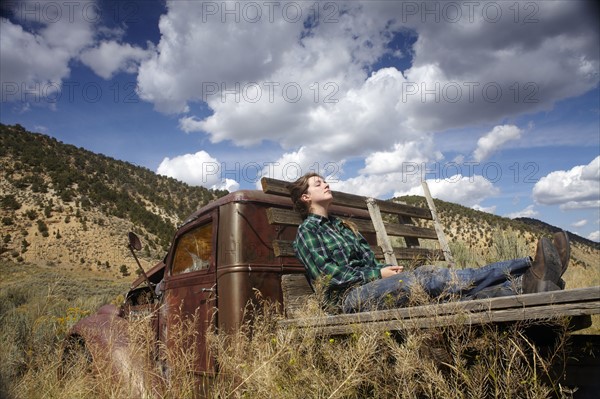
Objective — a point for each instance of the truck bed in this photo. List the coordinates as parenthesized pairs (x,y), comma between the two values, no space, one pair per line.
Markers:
(578,304)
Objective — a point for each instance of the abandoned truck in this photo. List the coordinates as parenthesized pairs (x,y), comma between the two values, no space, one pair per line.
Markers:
(218,259)
(240,244)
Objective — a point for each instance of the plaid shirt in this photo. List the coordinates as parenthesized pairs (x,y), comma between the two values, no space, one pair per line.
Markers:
(327,247)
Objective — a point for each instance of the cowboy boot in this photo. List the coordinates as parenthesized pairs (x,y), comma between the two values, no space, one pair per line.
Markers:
(562,244)
(544,273)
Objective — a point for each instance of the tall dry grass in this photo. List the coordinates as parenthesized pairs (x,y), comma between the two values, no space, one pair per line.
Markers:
(263,360)
(37,307)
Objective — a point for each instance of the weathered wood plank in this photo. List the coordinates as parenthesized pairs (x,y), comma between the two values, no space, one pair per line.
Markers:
(289,217)
(492,316)
(295,289)
(383,240)
(279,187)
(539,304)
(437,225)
(284,248)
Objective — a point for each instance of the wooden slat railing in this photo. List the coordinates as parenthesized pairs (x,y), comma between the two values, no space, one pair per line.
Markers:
(279,187)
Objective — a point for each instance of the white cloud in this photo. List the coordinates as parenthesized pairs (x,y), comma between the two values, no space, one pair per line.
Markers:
(487,209)
(411,155)
(226,184)
(36,58)
(467,191)
(574,205)
(190,124)
(579,223)
(292,165)
(199,169)
(528,212)
(576,188)
(495,139)
(379,186)
(28,59)
(111,57)
(241,69)
(595,236)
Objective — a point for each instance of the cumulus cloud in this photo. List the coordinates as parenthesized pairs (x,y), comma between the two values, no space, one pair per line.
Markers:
(595,236)
(579,223)
(199,169)
(37,46)
(487,209)
(292,165)
(528,212)
(413,155)
(576,188)
(467,191)
(308,82)
(226,184)
(111,57)
(492,141)
(379,185)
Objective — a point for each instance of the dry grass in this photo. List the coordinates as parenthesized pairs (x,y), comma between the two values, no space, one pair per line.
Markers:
(262,360)
(37,307)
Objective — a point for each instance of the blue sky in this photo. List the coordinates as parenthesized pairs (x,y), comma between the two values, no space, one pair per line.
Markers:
(496,104)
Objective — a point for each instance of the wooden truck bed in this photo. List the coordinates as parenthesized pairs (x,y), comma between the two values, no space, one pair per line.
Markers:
(577,304)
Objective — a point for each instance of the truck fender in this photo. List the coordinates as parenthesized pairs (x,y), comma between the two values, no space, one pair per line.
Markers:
(104,337)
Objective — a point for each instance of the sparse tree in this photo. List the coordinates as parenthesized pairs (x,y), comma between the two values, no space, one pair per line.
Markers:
(9,202)
(42,228)
(124,271)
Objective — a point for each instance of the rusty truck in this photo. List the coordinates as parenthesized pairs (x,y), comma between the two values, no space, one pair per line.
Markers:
(240,244)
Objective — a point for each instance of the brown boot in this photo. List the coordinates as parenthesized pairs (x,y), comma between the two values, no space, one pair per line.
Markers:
(544,273)
(561,242)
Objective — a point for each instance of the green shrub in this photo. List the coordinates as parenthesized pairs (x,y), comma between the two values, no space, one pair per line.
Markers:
(10,203)
(31,214)
(42,228)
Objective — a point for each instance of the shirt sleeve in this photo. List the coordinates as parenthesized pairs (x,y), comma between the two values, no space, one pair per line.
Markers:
(314,254)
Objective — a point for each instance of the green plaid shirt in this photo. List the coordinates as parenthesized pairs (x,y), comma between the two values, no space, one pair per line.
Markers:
(328,248)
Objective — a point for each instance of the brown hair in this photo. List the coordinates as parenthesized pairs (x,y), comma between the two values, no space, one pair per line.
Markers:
(298,188)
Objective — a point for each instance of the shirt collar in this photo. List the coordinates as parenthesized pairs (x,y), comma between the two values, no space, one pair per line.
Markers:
(321,219)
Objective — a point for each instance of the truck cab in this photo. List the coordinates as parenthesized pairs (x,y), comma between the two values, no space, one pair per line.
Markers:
(218,261)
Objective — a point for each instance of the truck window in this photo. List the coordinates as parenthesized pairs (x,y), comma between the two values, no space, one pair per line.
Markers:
(193,250)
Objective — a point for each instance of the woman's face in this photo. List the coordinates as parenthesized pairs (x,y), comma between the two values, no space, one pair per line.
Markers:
(318,191)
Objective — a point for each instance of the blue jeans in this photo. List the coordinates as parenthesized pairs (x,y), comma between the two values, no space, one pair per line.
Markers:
(393,291)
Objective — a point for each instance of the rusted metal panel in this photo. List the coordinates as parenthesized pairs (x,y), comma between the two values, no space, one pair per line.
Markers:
(246,265)
(106,337)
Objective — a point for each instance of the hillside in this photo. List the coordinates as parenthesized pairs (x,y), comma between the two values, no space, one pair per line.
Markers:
(65,206)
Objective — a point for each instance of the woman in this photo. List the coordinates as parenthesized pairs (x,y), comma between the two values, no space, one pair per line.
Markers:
(334,252)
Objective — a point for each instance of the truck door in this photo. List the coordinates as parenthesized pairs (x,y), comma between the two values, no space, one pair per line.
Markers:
(190,292)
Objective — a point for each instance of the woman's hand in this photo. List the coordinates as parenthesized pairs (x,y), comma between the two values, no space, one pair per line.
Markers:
(391,270)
